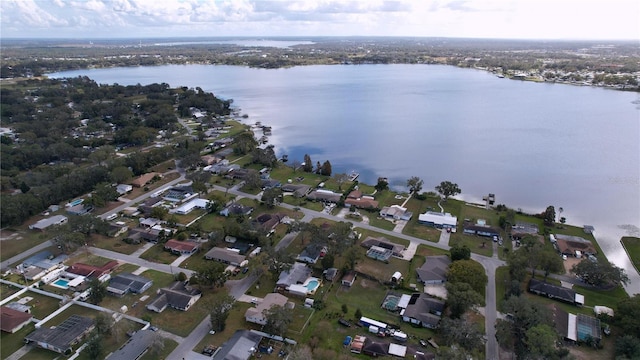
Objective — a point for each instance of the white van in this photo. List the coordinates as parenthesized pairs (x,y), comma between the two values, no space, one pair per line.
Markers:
(112,217)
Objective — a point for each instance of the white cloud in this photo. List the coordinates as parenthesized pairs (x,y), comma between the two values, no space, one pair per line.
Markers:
(598,19)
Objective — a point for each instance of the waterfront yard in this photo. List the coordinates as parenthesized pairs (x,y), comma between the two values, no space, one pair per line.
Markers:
(632,247)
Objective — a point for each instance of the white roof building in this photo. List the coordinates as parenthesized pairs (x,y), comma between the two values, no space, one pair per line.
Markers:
(45,223)
(437,219)
(188,207)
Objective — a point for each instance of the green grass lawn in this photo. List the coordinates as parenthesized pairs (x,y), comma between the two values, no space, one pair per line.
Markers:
(169,346)
(235,321)
(114,244)
(158,254)
(10,343)
(632,247)
(27,240)
(474,243)
(377,221)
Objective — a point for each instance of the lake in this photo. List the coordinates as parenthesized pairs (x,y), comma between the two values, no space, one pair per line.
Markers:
(532,144)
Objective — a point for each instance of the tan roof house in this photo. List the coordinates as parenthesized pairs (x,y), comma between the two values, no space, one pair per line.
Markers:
(256,314)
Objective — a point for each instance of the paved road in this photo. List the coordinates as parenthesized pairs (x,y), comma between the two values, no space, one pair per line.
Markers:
(5,264)
(140,262)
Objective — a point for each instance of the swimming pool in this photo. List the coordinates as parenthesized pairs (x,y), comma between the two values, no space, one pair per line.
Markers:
(61,283)
(312,285)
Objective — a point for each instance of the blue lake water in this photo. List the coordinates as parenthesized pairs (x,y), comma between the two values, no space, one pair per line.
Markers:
(532,144)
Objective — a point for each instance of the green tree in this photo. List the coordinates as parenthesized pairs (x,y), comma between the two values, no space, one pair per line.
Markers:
(211,274)
(327,261)
(278,320)
(460,297)
(97,291)
(461,332)
(345,308)
(447,189)
(627,315)
(600,273)
(470,272)
(220,308)
(541,341)
(550,262)
(549,215)
(253,180)
(326,168)
(524,314)
(272,197)
(460,252)
(382,184)
(103,324)
(244,143)
(358,314)
(414,184)
(627,347)
(159,212)
(121,174)
(307,165)
(94,347)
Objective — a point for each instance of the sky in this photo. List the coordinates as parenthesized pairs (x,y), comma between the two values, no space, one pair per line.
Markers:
(502,19)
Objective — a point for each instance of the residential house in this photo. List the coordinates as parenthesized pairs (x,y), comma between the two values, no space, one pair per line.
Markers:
(241,173)
(375,349)
(480,230)
(330,274)
(438,220)
(434,270)
(178,296)
(396,212)
(40,264)
(576,327)
(555,292)
(270,184)
(116,230)
(324,196)
(268,222)
(209,159)
(423,310)
(312,253)
(136,346)
(574,245)
(179,194)
(148,205)
(91,271)
(190,206)
(241,346)
(12,320)
(225,256)
(236,209)
(379,253)
(182,247)
(256,314)
(123,188)
(348,278)
(358,343)
(356,199)
(144,179)
(298,274)
(124,283)
(298,190)
(50,221)
(80,209)
(382,242)
(63,337)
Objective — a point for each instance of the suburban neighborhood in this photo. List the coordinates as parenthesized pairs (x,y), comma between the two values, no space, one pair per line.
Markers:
(227,252)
